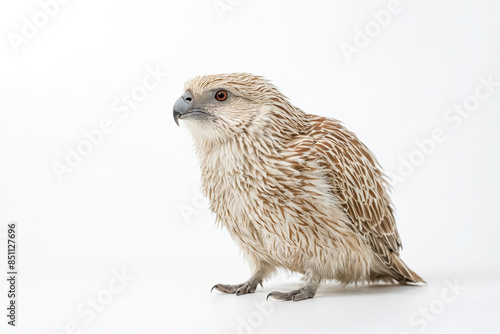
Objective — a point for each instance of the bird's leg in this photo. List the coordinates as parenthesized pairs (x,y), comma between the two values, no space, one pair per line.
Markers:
(247,287)
(306,292)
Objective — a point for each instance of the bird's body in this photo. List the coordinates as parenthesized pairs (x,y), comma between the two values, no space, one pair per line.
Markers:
(294,190)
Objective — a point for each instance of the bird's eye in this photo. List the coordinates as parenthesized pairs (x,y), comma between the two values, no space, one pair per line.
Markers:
(221,95)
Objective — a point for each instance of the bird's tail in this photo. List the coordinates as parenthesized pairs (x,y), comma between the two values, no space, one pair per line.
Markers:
(402,273)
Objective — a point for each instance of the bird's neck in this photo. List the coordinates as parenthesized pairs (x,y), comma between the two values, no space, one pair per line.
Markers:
(247,151)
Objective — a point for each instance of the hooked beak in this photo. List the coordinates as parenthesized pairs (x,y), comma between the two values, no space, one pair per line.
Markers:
(183,109)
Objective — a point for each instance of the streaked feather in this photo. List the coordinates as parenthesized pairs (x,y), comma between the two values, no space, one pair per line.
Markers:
(294,190)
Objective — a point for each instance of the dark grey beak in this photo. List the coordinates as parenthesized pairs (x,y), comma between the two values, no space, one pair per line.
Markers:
(184,109)
(182,106)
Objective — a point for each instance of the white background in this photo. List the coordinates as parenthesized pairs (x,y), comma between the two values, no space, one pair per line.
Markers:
(131,204)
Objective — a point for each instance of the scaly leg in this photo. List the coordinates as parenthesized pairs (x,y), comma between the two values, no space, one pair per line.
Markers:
(263,271)
(306,292)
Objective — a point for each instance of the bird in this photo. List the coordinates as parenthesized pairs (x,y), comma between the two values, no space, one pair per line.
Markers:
(295,191)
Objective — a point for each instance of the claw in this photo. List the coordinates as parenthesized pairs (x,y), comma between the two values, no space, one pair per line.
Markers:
(295,295)
(281,296)
(238,289)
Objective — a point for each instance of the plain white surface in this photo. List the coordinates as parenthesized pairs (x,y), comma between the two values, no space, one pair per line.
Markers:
(132,204)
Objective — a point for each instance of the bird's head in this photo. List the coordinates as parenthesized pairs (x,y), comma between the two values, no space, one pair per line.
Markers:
(219,107)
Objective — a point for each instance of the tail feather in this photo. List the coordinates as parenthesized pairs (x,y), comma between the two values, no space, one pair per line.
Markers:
(402,273)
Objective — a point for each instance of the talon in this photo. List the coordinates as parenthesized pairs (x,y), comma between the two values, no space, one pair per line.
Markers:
(238,289)
(280,295)
(295,295)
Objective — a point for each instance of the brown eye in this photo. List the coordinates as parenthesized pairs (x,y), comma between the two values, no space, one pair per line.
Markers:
(221,95)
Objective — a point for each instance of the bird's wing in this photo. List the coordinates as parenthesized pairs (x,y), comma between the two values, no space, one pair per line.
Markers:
(360,186)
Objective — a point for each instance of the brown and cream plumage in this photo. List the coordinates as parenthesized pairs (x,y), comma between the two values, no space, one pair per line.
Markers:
(294,190)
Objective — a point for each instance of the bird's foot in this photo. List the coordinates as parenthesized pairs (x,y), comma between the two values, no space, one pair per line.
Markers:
(238,289)
(296,295)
